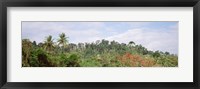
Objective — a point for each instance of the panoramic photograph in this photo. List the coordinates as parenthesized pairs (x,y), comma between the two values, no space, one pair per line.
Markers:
(99,44)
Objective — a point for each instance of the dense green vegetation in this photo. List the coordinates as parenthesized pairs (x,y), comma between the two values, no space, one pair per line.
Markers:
(101,53)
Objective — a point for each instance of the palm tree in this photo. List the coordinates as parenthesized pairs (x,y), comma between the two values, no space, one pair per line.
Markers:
(48,43)
(62,41)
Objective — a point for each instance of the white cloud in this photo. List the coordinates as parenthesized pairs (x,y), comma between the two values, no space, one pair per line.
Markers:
(151,39)
(39,30)
(165,39)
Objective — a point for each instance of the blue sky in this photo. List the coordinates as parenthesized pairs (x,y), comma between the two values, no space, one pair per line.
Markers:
(161,36)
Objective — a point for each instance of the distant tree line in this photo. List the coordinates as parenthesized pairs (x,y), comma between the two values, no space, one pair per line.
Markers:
(102,53)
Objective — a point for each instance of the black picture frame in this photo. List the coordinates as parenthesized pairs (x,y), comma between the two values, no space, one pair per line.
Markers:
(98,3)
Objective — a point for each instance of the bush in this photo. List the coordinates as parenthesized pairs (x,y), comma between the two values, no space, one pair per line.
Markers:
(130,60)
(34,59)
(39,58)
(71,61)
(90,63)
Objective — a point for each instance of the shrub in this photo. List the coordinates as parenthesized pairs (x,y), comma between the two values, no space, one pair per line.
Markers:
(39,58)
(135,60)
(71,61)
(90,63)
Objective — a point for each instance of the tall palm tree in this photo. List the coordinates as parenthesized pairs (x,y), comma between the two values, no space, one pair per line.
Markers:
(62,40)
(48,43)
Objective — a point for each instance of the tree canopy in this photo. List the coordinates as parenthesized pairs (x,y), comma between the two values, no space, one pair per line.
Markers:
(102,53)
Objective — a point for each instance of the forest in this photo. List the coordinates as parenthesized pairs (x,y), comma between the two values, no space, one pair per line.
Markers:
(101,53)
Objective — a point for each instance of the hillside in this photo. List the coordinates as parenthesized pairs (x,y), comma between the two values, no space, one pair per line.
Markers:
(102,53)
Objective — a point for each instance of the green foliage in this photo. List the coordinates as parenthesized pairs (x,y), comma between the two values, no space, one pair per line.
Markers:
(39,58)
(167,61)
(101,53)
(92,62)
(49,44)
(34,61)
(26,52)
(72,61)
(156,54)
